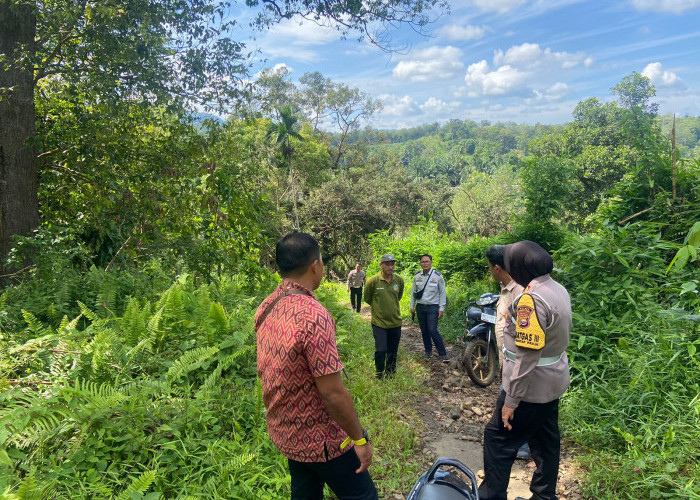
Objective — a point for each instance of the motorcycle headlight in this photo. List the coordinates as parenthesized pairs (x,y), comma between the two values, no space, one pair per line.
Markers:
(487,299)
(474,313)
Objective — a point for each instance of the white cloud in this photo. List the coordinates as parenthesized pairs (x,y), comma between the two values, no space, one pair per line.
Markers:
(673,6)
(282,67)
(500,6)
(304,34)
(503,81)
(297,41)
(399,106)
(532,55)
(435,63)
(462,33)
(660,78)
(437,106)
(555,93)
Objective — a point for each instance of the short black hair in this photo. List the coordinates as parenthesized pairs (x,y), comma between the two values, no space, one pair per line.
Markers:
(426,255)
(495,255)
(295,253)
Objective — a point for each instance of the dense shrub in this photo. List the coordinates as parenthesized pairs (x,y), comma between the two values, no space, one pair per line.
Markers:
(162,399)
(634,353)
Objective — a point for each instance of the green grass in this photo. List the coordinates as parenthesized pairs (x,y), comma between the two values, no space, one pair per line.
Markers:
(386,407)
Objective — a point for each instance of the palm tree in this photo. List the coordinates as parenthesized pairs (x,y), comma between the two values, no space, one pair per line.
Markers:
(283,131)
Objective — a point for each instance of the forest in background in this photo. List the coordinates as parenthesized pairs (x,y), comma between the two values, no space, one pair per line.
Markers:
(127,356)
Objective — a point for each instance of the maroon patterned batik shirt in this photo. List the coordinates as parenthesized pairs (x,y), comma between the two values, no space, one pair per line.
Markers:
(296,344)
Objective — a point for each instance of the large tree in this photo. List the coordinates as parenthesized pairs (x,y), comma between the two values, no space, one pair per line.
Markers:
(164,51)
(19,211)
(283,132)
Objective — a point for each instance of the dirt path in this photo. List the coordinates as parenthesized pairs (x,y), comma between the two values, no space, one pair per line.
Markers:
(454,414)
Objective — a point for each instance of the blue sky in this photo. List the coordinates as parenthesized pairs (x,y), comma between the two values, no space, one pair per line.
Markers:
(525,61)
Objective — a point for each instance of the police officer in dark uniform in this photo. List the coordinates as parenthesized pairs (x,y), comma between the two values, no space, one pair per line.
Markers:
(535,376)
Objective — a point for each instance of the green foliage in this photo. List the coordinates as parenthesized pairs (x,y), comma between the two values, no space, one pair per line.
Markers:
(63,275)
(161,401)
(687,134)
(634,354)
(164,402)
(689,251)
(634,92)
(545,187)
(487,205)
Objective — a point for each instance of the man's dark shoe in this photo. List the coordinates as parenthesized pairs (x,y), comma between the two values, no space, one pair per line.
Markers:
(427,355)
(521,498)
(445,359)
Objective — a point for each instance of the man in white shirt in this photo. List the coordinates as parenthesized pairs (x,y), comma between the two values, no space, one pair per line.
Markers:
(428,299)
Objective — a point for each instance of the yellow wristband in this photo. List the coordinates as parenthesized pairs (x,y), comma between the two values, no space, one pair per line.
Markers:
(360,442)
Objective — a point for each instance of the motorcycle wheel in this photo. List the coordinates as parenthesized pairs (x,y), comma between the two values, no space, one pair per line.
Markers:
(481,370)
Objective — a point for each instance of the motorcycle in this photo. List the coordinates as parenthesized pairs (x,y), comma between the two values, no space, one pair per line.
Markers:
(480,356)
(447,479)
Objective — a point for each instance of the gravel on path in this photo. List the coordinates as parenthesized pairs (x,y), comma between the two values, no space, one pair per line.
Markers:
(454,414)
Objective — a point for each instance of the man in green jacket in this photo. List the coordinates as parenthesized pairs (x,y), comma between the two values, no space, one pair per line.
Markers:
(383,292)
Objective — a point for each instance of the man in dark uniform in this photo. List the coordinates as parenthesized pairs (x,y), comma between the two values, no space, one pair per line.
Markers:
(535,376)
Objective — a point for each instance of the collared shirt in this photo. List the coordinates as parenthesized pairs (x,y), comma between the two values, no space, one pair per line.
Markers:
(295,345)
(356,279)
(434,292)
(383,297)
(508,293)
(523,379)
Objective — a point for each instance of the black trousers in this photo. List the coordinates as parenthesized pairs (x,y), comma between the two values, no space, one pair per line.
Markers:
(428,322)
(308,479)
(386,347)
(356,298)
(533,423)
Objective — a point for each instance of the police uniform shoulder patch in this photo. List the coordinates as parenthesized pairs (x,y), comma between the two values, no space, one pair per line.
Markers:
(528,331)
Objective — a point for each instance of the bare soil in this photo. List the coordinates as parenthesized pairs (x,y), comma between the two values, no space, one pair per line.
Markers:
(454,414)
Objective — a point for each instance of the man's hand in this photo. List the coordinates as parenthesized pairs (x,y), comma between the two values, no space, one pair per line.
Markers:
(413,311)
(364,453)
(440,314)
(347,288)
(507,415)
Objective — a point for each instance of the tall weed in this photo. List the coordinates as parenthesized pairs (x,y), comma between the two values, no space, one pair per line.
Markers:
(634,398)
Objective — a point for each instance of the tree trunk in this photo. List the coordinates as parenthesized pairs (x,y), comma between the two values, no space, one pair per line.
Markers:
(19,208)
(673,157)
(292,187)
